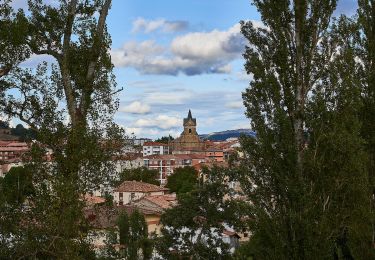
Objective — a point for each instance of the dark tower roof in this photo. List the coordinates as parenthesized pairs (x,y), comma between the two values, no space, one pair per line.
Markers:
(190,118)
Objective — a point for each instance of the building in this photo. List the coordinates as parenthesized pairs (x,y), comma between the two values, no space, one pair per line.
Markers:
(151,148)
(128,161)
(129,191)
(189,140)
(103,220)
(166,164)
(10,150)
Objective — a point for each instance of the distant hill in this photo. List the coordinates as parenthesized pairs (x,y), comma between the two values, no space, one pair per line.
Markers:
(223,135)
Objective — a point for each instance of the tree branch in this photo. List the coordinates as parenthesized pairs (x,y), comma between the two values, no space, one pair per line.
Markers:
(64,62)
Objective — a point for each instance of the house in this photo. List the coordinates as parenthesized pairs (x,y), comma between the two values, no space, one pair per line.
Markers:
(157,202)
(151,148)
(166,164)
(103,220)
(128,161)
(133,190)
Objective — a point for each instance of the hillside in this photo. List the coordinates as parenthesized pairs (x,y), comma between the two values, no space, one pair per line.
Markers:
(223,135)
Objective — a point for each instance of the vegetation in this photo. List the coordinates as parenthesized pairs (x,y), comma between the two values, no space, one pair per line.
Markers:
(183,180)
(69,103)
(305,172)
(308,174)
(165,139)
(134,237)
(16,185)
(193,228)
(140,174)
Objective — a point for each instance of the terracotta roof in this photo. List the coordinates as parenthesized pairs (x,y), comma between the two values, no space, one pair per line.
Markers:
(92,200)
(154,144)
(136,186)
(164,201)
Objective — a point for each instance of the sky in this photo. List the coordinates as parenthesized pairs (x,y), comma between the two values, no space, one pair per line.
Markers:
(173,55)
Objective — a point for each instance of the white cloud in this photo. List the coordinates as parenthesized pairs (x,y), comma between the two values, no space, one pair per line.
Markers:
(168,98)
(136,107)
(147,26)
(191,54)
(161,121)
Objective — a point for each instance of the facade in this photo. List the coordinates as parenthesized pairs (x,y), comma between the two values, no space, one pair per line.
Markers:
(129,191)
(189,139)
(10,150)
(166,164)
(151,148)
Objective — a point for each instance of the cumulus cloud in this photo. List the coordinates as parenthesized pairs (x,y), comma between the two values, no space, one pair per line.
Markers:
(147,26)
(191,54)
(136,107)
(161,121)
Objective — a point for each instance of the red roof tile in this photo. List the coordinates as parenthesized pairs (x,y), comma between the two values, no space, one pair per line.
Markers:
(136,186)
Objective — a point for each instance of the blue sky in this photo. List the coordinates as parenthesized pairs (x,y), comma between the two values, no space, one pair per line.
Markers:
(174,55)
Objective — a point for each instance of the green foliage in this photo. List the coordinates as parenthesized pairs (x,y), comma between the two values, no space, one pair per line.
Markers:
(139,174)
(134,236)
(24,133)
(193,227)
(17,185)
(183,180)
(77,86)
(165,139)
(123,227)
(305,172)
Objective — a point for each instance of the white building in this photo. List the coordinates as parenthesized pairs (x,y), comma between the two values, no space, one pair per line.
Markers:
(152,148)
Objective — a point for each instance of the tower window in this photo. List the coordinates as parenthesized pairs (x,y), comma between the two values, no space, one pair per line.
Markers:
(189,130)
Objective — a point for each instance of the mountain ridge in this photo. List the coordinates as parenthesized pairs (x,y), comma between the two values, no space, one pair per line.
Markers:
(223,135)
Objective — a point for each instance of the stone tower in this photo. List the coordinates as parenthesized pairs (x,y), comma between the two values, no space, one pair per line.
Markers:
(189,139)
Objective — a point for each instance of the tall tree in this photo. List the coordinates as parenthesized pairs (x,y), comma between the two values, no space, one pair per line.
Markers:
(366,70)
(183,180)
(193,229)
(69,103)
(303,103)
(139,174)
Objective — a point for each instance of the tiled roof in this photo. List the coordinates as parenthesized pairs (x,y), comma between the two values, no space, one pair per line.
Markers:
(154,144)
(92,200)
(163,201)
(136,186)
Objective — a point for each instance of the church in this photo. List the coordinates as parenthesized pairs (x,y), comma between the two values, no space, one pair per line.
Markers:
(189,141)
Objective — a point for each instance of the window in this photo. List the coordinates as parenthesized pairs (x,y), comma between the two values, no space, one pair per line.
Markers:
(189,130)
(132,196)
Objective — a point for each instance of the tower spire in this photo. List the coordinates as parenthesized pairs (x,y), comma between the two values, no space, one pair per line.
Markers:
(189,115)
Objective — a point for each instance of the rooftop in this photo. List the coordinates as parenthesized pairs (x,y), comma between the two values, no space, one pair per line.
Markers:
(136,186)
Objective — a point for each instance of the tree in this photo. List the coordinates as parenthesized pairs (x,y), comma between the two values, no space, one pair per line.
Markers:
(24,133)
(304,172)
(69,103)
(134,236)
(139,174)
(365,70)
(193,228)
(165,139)
(17,185)
(183,180)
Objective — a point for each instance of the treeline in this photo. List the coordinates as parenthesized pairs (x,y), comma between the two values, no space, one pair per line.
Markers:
(24,134)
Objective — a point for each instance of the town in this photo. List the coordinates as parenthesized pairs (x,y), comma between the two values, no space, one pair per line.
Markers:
(205,130)
(164,158)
